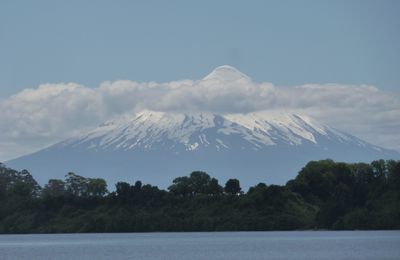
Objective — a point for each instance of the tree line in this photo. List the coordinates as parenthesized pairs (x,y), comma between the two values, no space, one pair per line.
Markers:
(324,195)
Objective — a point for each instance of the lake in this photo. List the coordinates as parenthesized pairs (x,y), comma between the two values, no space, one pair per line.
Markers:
(208,245)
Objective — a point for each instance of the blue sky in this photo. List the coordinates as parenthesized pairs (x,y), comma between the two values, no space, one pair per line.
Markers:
(284,42)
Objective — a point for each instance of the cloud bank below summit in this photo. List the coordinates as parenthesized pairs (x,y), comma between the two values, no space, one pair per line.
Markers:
(36,118)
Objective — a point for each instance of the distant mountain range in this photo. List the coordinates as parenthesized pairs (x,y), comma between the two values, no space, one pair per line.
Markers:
(156,147)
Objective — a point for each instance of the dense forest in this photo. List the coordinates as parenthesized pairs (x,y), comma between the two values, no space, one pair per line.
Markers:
(324,195)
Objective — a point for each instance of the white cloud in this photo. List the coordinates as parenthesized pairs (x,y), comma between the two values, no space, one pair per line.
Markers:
(35,118)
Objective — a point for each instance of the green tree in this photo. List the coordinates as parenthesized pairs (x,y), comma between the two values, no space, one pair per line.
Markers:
(123,190)
(181,186)
(54,188)
(199,182)
(394,174)
(96,187)
(213,188)
(76,185)
(138,186)
(7,178)
(232,186)
(20,183)
(261,187)
(379,169)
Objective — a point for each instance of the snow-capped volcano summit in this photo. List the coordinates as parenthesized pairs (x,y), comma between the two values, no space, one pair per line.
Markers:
(156,147)
(226,73)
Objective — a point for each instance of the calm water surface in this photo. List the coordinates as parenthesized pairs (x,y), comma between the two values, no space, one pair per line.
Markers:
(214,245)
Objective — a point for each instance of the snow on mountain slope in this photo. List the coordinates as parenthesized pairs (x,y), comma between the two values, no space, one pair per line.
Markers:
(149,130)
